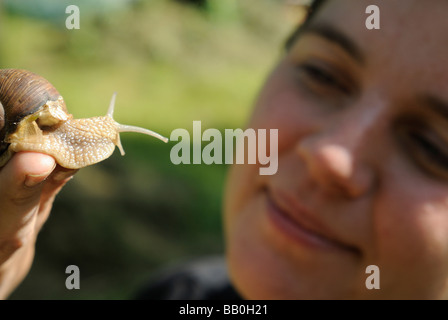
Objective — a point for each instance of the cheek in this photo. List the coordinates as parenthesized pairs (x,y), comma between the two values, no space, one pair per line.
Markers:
(411,234)
(242,184)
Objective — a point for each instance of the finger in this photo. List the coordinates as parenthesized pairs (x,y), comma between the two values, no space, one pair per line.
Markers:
(20,188)
(61,175)
(53,185)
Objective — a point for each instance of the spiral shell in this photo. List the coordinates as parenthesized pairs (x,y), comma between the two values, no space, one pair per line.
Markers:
(22,93)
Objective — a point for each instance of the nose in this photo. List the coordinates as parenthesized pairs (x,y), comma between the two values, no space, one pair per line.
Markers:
(337,157)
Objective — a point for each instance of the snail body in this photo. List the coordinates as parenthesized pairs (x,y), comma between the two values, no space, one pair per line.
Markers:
(34,117)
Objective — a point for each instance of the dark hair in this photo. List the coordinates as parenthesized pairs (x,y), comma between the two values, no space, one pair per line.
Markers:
(311,12)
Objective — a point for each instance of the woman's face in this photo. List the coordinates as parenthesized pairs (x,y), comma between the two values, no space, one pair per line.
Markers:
(362,119)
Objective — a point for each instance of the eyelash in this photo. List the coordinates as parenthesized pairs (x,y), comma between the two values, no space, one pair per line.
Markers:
(434,160)
(323,77)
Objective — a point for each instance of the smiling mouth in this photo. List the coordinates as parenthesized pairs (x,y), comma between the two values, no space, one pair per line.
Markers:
(296,225)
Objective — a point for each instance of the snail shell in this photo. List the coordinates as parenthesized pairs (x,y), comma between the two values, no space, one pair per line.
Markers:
(33,117)
(21,93)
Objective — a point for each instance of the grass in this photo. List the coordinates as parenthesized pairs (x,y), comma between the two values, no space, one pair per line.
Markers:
(126,217)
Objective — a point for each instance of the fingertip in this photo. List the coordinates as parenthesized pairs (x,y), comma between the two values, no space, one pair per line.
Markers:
(26,168)
(34,164)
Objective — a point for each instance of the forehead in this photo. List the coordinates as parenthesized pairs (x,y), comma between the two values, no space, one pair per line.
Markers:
(412,38)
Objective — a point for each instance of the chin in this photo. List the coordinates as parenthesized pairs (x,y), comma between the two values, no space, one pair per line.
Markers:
(256,282)
(256,279)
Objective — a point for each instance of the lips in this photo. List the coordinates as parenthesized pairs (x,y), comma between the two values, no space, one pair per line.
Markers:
(297,223)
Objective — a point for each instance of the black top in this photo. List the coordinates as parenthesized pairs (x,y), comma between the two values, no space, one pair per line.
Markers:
(200,280)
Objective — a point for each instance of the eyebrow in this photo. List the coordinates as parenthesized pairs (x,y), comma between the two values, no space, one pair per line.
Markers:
(336,36)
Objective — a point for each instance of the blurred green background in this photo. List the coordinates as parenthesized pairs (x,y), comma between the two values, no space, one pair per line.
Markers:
(171,62)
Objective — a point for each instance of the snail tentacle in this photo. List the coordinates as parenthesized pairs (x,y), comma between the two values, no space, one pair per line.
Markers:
(110,110)
(128,128)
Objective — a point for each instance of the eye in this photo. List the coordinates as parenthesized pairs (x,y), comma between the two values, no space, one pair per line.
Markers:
(426,149)
(323,78)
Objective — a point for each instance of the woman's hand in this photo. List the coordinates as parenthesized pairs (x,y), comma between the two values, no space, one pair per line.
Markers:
(29,183)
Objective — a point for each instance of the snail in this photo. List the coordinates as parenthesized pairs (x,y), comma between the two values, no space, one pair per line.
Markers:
(34,117)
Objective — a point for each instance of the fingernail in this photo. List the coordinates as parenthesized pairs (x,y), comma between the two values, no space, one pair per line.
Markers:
(33,180)
(63,175)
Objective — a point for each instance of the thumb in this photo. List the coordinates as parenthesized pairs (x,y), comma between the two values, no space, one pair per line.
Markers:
(20,190)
